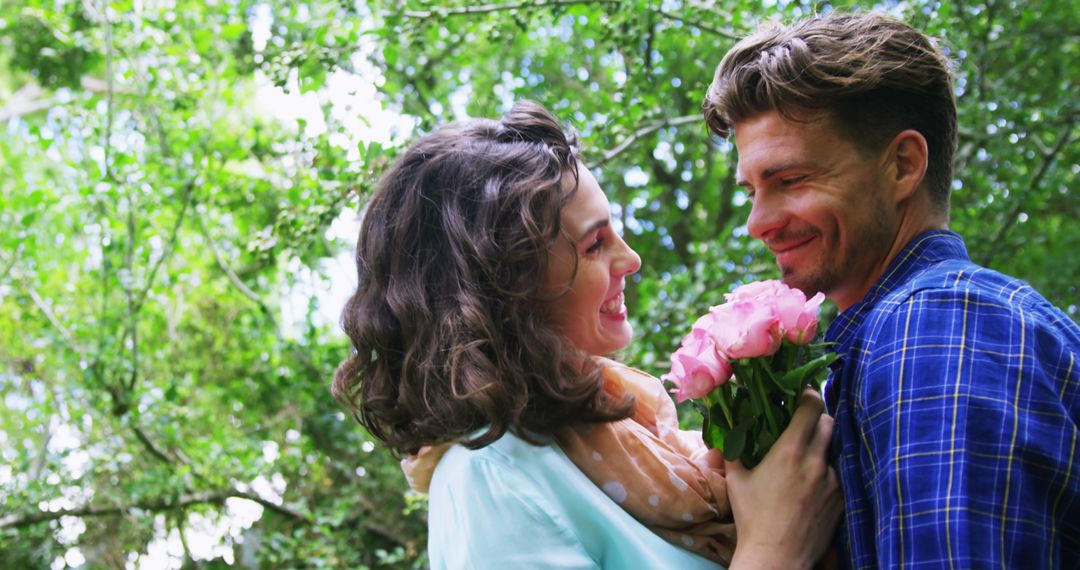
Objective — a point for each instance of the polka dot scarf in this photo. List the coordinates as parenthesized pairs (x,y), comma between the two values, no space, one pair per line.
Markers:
(654,470)
(645,463)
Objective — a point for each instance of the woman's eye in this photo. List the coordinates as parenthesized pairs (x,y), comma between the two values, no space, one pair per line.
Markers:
(596,245)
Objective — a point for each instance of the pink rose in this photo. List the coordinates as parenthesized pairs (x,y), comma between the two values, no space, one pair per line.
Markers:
(697,367)
(706,322)
(746,328)
(757,290)
(798,316)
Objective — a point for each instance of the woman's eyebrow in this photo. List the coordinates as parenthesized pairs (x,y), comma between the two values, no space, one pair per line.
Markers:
(592,228)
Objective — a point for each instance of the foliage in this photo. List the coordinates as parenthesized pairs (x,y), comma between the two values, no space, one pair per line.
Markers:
(159,227)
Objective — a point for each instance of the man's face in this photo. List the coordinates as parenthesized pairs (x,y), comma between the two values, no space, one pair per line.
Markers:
(819,203)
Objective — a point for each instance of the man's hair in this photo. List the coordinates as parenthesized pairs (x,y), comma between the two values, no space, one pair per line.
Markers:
(449,318)
(872,74)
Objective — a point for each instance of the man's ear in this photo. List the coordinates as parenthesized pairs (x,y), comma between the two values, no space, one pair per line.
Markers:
(907,161)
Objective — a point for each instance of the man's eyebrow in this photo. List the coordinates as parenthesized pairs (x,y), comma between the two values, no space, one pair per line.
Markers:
(769,172)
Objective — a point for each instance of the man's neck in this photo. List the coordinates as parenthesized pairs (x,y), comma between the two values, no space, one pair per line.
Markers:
(909,228)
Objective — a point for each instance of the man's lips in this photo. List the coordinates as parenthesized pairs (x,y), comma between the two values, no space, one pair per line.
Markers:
(781,247)
(785,250)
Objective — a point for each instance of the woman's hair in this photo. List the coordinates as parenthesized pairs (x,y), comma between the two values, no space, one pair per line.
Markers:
(872,74)
(449,319)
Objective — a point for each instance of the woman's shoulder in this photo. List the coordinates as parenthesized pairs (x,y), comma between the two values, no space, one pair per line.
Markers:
(509,457)
(481,499)
(515,478)
(540,509)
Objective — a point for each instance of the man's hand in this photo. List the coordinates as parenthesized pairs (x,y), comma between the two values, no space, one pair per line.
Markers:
(787,508)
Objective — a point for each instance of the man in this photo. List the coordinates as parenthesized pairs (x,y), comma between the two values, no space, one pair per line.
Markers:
(957,396)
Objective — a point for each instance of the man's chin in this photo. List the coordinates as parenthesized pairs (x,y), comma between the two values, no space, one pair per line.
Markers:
(807,284)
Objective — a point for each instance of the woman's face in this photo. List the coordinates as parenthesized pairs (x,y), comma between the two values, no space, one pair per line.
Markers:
(591,314)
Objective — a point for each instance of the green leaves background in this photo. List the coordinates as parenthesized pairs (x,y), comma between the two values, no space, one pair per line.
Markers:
(156,222)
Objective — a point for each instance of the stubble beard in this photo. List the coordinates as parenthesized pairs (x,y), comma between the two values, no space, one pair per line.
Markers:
(868,242)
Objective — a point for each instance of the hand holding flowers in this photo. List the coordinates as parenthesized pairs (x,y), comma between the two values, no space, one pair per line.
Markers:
(761,335)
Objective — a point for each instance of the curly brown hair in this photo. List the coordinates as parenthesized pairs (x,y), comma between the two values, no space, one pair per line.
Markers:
(449,319)
(873,74)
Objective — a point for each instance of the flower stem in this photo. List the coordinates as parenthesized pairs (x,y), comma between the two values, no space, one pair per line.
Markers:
(720,396)
(726,406)
(765,404)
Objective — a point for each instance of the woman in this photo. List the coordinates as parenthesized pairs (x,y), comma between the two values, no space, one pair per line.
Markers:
(491,284)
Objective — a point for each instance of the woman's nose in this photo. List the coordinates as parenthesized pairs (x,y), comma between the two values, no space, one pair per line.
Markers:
(627,261)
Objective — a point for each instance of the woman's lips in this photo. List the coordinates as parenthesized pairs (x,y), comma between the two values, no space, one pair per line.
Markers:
(614,306)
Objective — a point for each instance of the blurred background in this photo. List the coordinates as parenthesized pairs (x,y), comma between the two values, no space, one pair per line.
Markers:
(182,182)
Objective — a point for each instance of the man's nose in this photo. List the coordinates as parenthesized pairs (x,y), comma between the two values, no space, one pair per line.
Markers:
(766,215)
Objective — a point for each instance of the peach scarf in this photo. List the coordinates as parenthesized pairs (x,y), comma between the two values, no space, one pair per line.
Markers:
(645,463)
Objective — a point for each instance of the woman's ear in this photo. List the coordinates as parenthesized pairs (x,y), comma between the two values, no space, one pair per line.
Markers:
(907,155)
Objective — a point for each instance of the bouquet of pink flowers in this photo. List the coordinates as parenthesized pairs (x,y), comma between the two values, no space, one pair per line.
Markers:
(744,364)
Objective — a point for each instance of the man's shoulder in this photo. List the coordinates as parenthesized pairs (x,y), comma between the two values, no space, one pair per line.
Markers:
(951,276)
(947,298)
(961,284)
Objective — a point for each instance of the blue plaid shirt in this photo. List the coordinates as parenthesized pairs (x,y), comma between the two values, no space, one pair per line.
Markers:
(957,399)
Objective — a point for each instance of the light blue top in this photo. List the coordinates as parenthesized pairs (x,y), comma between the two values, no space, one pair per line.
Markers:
(515,505)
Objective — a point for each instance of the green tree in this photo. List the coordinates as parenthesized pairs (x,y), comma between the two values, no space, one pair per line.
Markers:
(166,361)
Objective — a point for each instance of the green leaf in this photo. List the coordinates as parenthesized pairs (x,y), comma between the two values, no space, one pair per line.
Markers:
(807,373)
(712,432)
(735,444)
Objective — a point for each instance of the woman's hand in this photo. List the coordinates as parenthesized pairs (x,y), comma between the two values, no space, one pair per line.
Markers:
(787,508)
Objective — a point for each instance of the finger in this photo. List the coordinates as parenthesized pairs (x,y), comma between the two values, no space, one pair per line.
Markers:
(819,443)
(804,420)
(811,398)
(834,512)
(734,471)
(835,503)
(714,458)
(710,459)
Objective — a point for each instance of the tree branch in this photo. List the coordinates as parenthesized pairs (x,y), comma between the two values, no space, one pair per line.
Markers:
(133,320)
(204,498)
(727,193)
(108,96)
(372,527)
(488,8)
(17,521)
(179,525)
(694,23)
(44,308)
(156,505)
(271,506)
(233,278)
(150,446)
(9,265)
(189,193)
(1010,219)
(31,98)
(643,132)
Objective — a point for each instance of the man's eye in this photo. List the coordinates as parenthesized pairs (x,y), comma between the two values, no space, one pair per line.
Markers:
(792,180)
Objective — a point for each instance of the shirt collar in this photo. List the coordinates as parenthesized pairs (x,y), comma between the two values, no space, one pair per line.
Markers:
(926,249)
